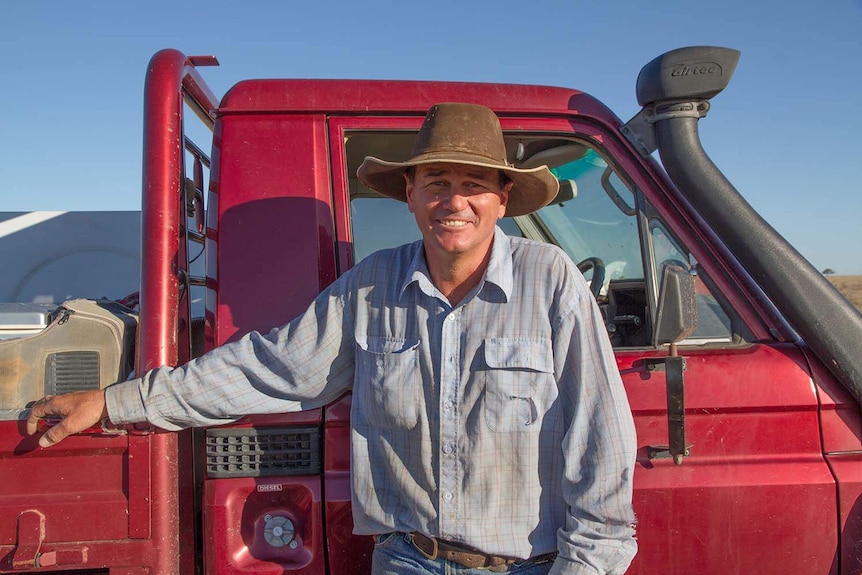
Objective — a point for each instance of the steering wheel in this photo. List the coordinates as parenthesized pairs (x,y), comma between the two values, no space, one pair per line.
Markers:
(598,279)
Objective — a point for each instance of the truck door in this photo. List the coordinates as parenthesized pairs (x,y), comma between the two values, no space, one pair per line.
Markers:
(754,484)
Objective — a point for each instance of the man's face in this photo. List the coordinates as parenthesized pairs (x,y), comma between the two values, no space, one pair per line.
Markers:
(456,208)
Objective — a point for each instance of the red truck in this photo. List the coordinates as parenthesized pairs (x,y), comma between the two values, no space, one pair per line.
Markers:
(748,419)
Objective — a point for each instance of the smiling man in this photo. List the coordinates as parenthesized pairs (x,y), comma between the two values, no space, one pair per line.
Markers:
(456,208)
(490,428)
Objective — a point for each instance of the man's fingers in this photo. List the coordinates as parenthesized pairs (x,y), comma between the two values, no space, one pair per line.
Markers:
(38,411)
(79,411)
(55,435)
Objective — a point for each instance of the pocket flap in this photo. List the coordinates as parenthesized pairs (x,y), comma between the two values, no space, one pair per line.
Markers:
(387,345)
(519,353)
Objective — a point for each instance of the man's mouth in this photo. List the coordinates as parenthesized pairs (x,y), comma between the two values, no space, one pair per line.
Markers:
(454,223)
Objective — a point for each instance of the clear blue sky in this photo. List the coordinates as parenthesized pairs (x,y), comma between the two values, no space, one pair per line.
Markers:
(787,131)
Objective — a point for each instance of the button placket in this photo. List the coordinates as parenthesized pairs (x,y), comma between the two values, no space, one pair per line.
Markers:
(450,375)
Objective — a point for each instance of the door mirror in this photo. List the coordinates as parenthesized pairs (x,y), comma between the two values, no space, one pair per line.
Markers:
(676,315)
(676,319)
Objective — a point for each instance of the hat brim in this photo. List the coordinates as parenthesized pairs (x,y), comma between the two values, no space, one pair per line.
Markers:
(532,189)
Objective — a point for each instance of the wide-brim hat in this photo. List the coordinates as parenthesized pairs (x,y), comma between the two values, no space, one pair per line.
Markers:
(463,134)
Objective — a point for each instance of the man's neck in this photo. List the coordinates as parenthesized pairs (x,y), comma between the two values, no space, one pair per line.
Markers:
(455,275)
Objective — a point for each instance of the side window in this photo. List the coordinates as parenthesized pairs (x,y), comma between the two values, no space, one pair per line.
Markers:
(380,222)
(598,220)
(597,226)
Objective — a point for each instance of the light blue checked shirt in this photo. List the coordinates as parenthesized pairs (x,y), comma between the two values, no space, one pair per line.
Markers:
(501,423)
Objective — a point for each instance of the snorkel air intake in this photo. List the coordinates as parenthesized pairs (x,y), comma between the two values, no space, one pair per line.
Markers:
(674,92)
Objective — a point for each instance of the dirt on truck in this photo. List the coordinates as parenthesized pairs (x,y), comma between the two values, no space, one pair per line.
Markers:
(739,359)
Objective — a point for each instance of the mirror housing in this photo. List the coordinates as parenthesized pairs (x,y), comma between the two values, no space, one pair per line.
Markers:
(676,315)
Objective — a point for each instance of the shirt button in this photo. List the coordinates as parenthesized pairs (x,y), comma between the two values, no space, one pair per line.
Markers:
(379,362)
(448,448)
(448,405)
(447,496)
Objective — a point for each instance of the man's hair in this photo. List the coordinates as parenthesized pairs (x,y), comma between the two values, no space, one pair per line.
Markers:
(504,179)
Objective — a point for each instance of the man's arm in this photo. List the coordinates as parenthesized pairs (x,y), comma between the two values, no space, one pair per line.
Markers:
(301,365)
(599,448)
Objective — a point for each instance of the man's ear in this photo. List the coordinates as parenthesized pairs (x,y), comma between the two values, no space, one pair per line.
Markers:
(408,191)
(504,198)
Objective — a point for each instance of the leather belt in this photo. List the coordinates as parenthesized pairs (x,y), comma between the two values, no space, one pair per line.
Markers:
(433,548)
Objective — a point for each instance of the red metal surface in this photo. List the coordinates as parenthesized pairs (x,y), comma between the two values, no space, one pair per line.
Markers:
(274,240)
(349,554)
(847,468)
(154,504)
(727,504)
(94,514)
(163,157)
(841,424)
(373,97)
(270,252)
(235,517)
(841,419)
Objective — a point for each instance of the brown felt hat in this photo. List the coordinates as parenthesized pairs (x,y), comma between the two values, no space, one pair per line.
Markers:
(463,134)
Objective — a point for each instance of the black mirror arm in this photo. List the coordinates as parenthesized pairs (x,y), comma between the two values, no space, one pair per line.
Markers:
(674,368)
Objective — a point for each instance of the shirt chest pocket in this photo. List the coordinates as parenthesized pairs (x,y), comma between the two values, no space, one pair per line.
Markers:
(517,372)
(388,384)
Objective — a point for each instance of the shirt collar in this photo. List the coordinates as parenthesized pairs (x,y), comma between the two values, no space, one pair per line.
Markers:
(499,272)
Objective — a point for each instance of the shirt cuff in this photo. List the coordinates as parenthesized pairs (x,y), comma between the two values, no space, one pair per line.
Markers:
(124,402)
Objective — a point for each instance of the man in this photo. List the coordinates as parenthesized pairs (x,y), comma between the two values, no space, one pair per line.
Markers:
(490,428)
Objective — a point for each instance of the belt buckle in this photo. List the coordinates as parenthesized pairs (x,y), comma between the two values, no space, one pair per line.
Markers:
(434,553)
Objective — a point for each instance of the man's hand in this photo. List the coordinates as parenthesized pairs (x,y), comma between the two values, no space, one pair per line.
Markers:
(79,411)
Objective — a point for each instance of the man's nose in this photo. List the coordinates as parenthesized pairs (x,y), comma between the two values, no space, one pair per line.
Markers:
(456,200)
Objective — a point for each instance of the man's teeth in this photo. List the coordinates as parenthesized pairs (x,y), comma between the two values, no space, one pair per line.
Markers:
(454,224)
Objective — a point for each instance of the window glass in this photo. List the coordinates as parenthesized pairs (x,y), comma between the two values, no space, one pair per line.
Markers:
(599,221)
(380,222)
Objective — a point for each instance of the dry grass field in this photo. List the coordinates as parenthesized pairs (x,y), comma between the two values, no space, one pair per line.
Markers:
(850,286)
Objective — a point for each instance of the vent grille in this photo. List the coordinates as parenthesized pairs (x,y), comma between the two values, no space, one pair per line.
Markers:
(262,452)
(69,371)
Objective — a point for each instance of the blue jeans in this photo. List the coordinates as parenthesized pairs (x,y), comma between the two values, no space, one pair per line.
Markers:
(395,555)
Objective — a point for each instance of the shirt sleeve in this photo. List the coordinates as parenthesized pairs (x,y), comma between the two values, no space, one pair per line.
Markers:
(304,364)
(599,446)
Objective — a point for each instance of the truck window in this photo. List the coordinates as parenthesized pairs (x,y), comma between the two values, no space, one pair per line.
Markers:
(598,218)
(599,221)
